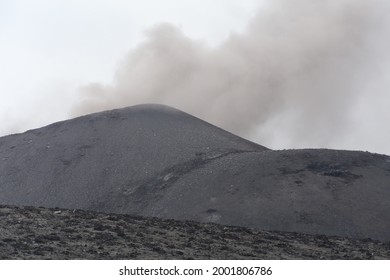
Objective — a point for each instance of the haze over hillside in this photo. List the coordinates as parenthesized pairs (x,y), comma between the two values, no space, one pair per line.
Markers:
(152,160)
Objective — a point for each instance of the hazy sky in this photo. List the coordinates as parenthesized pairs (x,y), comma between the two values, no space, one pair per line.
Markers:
(308,74)
(50,48)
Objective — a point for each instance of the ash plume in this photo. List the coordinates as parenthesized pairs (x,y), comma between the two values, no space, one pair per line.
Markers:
(303,73)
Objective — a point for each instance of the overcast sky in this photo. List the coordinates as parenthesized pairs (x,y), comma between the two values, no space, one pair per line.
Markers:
(51,49)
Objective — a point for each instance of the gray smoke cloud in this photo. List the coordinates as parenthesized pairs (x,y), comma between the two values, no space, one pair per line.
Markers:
(299,75)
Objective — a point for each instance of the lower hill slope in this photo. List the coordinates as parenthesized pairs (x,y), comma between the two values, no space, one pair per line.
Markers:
(41,233)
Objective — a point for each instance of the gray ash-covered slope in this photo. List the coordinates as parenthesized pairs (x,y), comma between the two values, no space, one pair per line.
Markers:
(84,162)
(312,191)
(156,161)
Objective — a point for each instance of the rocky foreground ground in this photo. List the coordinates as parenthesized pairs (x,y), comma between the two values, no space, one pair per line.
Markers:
(41,233)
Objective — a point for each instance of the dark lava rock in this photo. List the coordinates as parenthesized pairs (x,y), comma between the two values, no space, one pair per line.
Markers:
(39,233)
(156,161)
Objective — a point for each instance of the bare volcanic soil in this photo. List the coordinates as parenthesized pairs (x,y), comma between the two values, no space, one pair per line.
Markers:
(154,161)
(41,233)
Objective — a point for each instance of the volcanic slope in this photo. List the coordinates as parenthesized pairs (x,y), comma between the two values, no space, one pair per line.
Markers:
(153,160)
(85,162)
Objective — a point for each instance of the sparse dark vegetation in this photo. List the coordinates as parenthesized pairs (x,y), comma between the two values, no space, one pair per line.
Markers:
(75,235)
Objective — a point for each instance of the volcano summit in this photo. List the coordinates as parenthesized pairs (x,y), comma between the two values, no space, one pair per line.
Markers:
(156,161)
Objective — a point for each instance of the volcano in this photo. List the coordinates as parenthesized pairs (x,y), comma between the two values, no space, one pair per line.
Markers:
(156,161)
